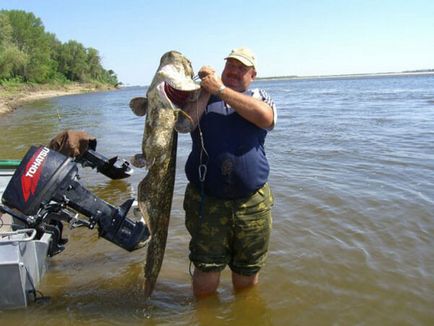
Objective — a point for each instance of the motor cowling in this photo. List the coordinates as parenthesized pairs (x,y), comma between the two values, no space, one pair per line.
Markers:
(41,174)
(45,184)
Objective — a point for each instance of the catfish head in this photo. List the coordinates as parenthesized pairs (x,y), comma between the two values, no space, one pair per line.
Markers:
(171,88)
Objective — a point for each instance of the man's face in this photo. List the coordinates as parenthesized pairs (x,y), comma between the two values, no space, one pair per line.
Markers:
(237,76)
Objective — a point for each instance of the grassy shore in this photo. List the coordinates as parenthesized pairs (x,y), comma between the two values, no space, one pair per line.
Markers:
(12,96)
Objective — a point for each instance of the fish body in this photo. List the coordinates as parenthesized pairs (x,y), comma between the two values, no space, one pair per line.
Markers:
(155,191)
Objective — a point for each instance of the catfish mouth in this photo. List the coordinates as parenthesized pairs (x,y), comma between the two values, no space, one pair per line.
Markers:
(176,96)
(178,85)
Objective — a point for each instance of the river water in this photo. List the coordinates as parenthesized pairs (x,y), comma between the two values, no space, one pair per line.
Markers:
(353,178)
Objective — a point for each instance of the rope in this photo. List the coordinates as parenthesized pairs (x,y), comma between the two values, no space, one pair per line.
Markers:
(203,169)
(33,290)
(189,269)
(202,174)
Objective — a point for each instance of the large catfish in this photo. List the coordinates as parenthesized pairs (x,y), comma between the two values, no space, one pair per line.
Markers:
(171,86)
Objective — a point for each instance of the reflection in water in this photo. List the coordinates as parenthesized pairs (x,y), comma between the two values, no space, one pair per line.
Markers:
(110,190)
(244,308)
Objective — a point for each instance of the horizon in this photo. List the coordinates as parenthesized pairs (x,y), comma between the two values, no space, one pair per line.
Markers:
(338,76)
(406,72)
(316,38)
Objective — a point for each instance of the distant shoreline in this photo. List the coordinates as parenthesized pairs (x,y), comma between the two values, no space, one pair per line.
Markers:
(379,74)
(12,99)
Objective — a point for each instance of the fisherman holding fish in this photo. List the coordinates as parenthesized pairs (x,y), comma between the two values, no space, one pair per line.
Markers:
(228,200)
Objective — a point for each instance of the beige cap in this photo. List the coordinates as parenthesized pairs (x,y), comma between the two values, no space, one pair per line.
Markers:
(245,56)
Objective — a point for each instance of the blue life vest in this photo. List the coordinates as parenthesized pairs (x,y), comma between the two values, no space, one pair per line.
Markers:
(236,164)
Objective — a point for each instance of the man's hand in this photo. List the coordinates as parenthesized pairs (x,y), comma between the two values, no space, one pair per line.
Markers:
(210,82)
(73,142)
(206,71)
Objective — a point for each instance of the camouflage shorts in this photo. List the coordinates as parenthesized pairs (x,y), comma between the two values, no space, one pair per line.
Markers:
(230,232)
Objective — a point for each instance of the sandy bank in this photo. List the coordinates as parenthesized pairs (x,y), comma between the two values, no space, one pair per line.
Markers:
(12,99)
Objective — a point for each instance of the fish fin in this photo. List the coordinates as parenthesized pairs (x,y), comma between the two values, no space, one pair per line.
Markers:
(138,161)
(139,105)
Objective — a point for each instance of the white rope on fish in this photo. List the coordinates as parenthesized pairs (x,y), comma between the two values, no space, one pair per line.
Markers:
(196,79)
(202,166)
(202,172)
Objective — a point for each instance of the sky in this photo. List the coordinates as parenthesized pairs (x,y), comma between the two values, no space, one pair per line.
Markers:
(289,37)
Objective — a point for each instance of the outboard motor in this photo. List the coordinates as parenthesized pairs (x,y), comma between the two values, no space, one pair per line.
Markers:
(45,191)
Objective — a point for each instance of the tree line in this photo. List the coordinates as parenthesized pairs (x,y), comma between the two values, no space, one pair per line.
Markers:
(30,54)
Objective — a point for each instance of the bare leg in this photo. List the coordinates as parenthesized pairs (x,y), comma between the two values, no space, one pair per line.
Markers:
(241,281)
(205,283)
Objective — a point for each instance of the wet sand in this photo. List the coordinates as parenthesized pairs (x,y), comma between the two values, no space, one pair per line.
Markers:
(10,100)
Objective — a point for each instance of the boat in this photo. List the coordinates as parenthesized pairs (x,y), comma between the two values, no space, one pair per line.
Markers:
(39,194)
(7,169)
(23,257)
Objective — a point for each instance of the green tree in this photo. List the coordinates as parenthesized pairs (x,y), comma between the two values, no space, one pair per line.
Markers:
(29,36)
(73,61)
(30,53)
(12,60)
(5,29)
(95,70)
(110,77)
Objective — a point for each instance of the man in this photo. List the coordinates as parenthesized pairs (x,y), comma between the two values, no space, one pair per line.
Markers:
(228,201)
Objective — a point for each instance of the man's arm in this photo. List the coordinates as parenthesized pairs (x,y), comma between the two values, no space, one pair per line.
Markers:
(251,109)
